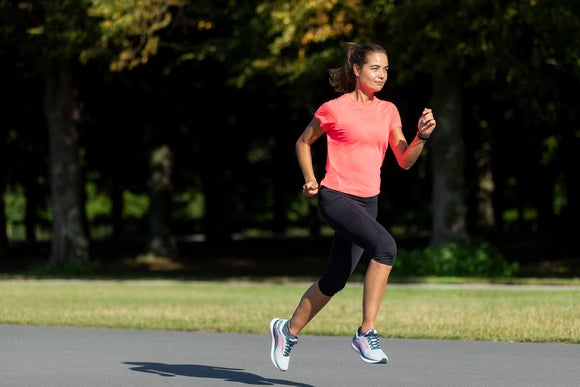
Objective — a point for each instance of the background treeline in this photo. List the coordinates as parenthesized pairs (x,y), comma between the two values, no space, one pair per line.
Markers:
(168,120)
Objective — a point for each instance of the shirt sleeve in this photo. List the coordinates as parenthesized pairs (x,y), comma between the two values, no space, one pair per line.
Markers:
(325,116)
(395,118)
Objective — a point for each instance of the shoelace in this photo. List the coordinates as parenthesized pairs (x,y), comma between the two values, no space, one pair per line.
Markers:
(288,346)
(373,340)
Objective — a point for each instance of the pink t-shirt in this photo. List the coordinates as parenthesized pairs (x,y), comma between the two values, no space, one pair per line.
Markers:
(357,140)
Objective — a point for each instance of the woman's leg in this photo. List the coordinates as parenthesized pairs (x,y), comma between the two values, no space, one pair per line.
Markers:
(375,285)
(355,220)
(310,304)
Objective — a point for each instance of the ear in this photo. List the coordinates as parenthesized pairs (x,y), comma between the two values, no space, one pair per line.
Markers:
(356,70)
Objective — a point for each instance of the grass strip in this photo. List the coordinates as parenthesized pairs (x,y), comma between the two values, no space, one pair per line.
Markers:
(491,314)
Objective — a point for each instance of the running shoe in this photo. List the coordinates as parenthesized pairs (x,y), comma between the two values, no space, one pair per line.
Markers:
(281,344)
(369,347)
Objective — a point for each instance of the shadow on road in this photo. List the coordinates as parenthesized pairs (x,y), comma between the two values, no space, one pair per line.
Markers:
(236,375)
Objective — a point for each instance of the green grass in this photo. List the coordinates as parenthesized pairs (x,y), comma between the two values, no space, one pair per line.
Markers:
(494,314)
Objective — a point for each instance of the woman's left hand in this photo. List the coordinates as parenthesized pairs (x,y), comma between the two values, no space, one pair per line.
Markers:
(426,123)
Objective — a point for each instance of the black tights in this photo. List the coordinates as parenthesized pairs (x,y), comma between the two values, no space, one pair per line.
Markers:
(356,229)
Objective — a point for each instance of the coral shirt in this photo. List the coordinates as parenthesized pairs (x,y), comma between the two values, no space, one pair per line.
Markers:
(357,140)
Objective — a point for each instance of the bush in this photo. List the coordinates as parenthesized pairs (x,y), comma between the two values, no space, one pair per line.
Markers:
(469,258)
(67,270)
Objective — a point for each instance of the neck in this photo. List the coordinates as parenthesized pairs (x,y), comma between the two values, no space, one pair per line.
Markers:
(362,96)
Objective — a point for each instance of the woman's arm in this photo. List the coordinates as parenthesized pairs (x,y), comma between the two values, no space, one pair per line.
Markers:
(405,153)
(303,151)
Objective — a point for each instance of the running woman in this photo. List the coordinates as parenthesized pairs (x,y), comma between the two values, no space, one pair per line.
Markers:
(359,129)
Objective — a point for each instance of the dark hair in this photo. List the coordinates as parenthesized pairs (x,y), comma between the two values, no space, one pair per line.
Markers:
(342,78)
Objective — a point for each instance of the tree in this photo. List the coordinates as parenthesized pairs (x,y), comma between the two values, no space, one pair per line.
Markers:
(63,29)
(130,35)
(70,244)
(441,30)
(163,241)
(68,33)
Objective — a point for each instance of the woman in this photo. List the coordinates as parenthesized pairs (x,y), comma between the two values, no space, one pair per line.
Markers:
(359,128)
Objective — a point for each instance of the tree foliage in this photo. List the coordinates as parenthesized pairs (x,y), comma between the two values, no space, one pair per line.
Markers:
(228,85)
(128,30)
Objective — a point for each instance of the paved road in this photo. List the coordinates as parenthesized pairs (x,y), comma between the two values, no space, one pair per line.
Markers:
(85,357)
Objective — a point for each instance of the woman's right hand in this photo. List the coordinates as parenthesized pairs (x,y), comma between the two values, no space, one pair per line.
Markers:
(310,188)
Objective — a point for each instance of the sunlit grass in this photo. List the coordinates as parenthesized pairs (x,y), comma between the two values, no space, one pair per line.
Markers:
(437,313)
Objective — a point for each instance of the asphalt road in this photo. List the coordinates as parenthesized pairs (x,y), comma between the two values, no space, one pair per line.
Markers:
(84,357)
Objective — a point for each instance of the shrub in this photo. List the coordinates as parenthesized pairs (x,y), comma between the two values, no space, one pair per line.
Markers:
(67,270)
(468,258)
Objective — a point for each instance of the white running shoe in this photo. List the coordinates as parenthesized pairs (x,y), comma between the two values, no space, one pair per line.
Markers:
(369,347)
(281,344)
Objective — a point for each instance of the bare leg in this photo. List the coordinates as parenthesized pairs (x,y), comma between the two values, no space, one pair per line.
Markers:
(374,289)
(310,304)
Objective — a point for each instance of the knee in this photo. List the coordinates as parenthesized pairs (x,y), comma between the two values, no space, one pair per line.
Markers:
(386,252)
(388,260)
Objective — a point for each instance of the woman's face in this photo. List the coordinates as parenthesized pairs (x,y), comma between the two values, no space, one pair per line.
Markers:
(372,76)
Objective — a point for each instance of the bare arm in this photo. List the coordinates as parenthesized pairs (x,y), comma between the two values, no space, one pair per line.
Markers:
(303,151)
(405,153)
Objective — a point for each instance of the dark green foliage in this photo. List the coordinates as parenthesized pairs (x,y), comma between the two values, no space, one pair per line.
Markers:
(70,269)
(469,258)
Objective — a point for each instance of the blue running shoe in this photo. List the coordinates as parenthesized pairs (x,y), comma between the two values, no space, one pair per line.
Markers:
(368,347)
(281,344)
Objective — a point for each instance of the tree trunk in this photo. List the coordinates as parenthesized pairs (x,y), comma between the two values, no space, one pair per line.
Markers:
(449,210)
(70,243)
(485,187)
(162,242)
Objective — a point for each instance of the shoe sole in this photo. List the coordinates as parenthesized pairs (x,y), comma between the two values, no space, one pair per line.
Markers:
(384,360)
(273,348)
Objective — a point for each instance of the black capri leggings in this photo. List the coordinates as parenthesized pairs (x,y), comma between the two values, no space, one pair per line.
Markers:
(356,229)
